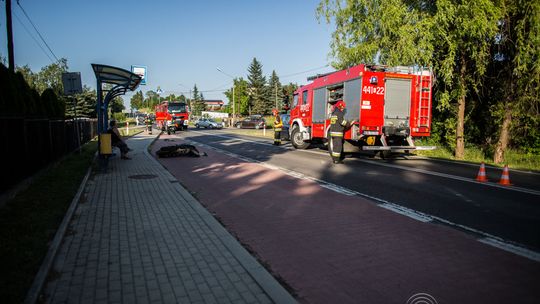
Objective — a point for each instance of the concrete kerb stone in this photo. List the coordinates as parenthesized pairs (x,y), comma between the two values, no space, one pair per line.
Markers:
(40,278)
(266,281)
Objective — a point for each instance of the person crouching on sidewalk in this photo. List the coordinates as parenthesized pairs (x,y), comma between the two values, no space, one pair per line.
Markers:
(116,140)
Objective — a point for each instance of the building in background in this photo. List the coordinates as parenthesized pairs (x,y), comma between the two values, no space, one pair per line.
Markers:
(213,104)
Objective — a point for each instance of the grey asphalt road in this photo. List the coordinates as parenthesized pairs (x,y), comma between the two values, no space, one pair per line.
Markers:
(444,190)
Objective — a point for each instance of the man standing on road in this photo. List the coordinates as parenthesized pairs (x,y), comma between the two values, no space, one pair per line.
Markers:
(278,125)
(148,124)
(338,125)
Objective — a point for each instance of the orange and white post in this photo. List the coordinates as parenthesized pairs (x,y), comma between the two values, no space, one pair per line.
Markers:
(481,177)
(505,177)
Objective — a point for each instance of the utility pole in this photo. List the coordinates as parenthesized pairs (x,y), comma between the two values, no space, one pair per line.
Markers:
(11,58)
(233,95)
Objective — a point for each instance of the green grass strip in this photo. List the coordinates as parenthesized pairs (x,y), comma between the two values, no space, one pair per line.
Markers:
(29,222)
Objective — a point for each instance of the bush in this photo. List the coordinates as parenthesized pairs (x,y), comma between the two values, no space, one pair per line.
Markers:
(54,107)
(119,117)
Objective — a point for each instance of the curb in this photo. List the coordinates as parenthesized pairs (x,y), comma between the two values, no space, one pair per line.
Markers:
(40,278)
(264,279)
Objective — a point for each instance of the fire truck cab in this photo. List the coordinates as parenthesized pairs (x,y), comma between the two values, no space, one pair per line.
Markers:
(176,113)
(392,105)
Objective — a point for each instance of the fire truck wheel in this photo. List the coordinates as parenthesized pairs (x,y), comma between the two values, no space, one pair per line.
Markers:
(297,140)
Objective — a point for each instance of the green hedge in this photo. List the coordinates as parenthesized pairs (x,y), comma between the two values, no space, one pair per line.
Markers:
(17,98)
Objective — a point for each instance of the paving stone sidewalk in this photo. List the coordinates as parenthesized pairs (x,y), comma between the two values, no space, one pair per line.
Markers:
(137,236)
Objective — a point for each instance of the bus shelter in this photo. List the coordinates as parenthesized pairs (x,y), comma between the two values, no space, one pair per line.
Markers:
(120,82)
(117,82)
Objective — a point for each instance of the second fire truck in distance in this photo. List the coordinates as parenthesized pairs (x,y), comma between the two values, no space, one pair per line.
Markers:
(175,113)
(392,105)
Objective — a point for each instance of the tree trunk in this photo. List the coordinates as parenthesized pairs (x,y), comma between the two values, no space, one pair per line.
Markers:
(460,140)
(504,136)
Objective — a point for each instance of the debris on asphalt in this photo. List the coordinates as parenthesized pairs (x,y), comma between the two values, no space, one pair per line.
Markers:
(179,150)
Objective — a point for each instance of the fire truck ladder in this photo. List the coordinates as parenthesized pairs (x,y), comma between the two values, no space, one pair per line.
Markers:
(424,98)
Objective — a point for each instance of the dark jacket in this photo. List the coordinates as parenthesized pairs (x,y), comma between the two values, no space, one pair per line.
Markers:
(338,123)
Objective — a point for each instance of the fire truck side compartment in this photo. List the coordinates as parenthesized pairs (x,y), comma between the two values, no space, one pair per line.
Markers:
(397,104)
(353,89)
(319,105)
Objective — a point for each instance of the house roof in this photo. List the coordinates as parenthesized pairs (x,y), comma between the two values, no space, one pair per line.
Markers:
(214,101)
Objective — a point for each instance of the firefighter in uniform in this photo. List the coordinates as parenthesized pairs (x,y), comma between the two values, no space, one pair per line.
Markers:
(278,125)
(338,125)
(148,124)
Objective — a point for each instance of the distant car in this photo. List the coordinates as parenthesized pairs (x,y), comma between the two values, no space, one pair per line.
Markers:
(254,122)
(285,118)
(208,123)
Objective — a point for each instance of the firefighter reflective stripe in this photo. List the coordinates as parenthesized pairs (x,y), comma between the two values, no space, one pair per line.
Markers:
(277,140)
(336,154)
(336,134)
(277,129)
(333,119)
(344,123)
(278,124)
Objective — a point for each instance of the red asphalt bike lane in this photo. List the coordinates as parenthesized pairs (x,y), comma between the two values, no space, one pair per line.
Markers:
(333,248)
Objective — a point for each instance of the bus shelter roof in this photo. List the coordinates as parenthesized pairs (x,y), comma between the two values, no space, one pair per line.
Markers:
(116,76)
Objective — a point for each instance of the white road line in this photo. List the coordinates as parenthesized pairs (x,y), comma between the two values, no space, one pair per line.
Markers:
(485,238)
(535,256)
(419,216)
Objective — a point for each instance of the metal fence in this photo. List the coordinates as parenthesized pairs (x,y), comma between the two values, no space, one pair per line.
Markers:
(28,145)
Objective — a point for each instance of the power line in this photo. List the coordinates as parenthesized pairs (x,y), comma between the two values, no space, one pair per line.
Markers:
(35,28)
(306,71)
(34,38)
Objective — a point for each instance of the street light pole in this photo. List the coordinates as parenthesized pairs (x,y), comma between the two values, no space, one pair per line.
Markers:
(233,95)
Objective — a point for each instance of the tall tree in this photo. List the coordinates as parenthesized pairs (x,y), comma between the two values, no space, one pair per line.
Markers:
(197,104)
(85,104)
(152,99)
(517,53)
(137,100)
(276,91)
(117,105)
(288,91)
(257,88)
(393,32)
(464,33)
(50,76)
(241,97)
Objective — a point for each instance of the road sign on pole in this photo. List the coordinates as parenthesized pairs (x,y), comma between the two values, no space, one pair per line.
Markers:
(141,71)
(72,83)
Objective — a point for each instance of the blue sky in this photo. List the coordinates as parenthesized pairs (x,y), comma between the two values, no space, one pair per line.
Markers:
(180,42)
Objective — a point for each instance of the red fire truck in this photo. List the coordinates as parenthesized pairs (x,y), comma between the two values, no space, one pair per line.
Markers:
(392,105)
(172,113)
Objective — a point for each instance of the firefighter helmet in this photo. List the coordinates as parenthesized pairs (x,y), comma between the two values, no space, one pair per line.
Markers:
(340,104)
(275,112)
